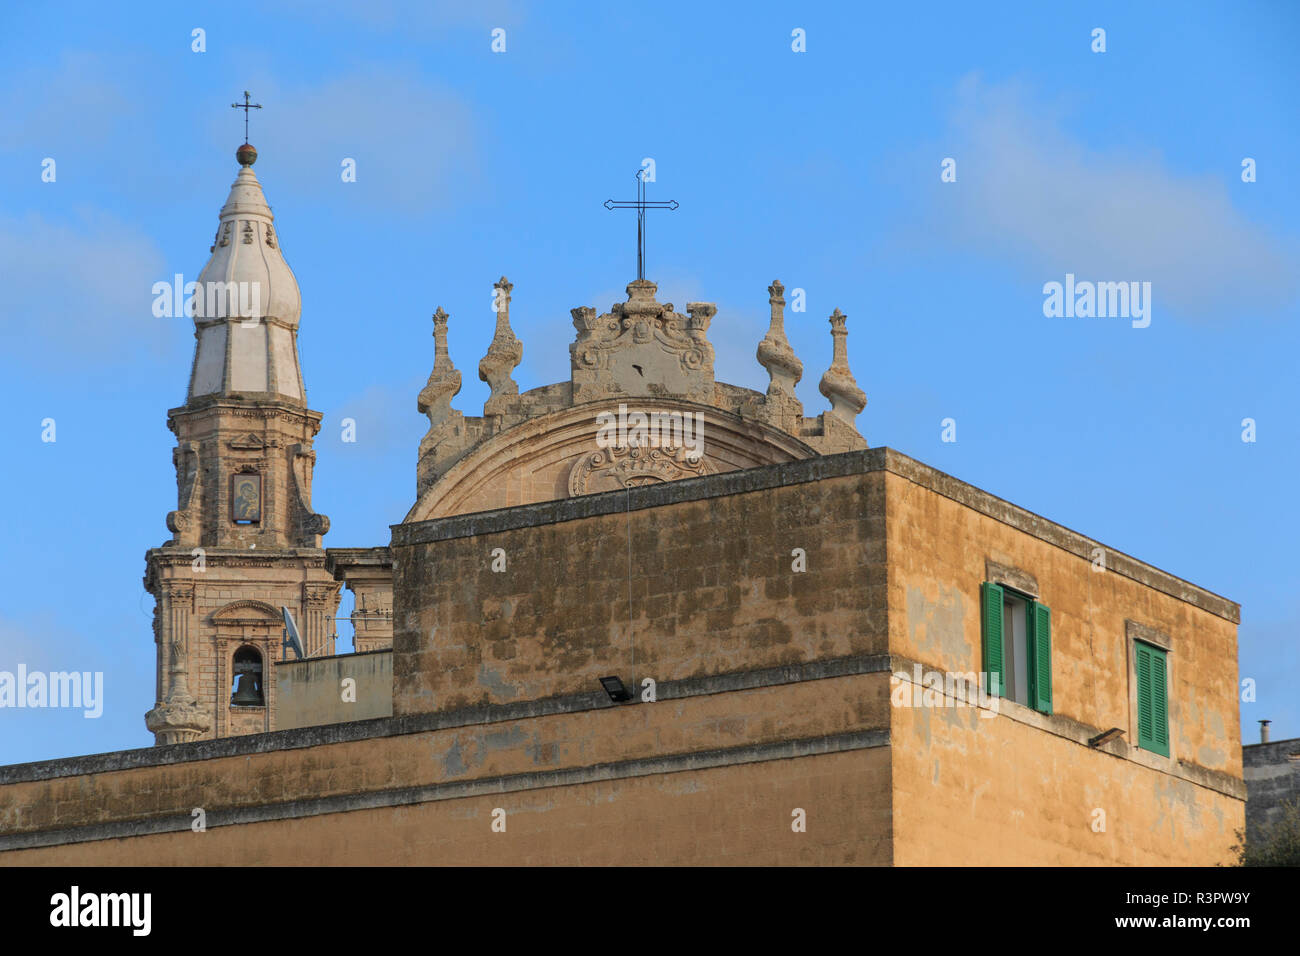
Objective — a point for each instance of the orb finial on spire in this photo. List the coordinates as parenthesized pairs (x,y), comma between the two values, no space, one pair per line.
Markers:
(246,154)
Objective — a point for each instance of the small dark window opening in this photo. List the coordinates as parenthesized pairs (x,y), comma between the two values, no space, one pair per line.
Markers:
(248,679)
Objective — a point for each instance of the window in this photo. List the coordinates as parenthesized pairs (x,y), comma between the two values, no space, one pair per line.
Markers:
(1152,669)
(248,679)
(1017,646)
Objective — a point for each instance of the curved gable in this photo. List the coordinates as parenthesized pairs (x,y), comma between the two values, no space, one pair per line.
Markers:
(582,450)
(641,359)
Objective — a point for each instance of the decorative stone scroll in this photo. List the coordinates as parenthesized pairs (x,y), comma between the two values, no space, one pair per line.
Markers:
(609,469)
(643,347)
(310,523)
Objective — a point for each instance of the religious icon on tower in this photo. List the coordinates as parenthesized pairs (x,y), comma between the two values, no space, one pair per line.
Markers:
(246,497)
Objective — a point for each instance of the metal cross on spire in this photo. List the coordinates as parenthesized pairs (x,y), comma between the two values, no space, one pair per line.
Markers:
(640,206)
(246,106)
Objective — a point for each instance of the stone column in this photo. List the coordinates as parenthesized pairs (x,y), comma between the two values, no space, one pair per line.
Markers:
(318,604)
(179,717)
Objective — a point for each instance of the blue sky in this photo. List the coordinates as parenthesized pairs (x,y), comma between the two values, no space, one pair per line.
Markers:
(819,168)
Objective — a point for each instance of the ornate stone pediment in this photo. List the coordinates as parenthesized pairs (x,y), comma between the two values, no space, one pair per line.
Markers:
(641,355)
(643,348)
(247,612)
(609,469)
(249,442)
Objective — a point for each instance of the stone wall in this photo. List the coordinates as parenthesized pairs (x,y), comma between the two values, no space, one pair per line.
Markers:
(711,773)
(311,691)
(701,577)
(1272,772)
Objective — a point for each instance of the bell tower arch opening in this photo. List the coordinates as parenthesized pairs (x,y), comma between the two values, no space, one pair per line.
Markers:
(246,665)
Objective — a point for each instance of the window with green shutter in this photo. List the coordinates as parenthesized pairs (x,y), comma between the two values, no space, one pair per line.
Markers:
(1017,638)
(991,600)
(1152,669)
(1040,656)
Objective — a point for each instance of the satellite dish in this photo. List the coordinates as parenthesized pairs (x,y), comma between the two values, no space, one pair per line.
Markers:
(291,636)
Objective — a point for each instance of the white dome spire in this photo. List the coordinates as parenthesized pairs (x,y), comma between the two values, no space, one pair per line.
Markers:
(247,308)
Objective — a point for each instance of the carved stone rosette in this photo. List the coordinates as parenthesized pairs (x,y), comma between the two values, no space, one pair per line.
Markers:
(622,467)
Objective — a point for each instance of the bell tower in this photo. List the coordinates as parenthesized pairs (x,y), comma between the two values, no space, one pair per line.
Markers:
(245,538)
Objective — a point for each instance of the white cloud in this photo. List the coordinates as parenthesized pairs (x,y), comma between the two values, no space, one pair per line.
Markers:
(75,106)
(1028,191)
(83,287)
(385,418)
(414,143)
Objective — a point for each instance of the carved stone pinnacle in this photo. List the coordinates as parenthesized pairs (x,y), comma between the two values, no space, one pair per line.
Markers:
(838,384)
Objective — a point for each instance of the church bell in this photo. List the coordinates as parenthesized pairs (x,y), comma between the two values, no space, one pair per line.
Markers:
(247,693)
(248,671)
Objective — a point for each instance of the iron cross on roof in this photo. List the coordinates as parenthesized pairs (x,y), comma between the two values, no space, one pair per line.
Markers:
(640,205)
(246,106)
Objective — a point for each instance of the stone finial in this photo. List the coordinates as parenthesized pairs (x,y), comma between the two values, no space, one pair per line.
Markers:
(838,384)
(503,355)
(774,352)
(444,381)
(584,320)
(446,439)
(700,314)
(779,407)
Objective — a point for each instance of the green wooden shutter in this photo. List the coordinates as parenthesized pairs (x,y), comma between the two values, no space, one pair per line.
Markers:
(1153,701)
(1142,662)
(1039,620)
(991,604)
(1159,703)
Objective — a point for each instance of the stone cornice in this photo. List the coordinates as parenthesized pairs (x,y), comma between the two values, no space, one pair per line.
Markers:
(1272,753)
(181,557)
(249,404)
(439,720)
(358,562)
